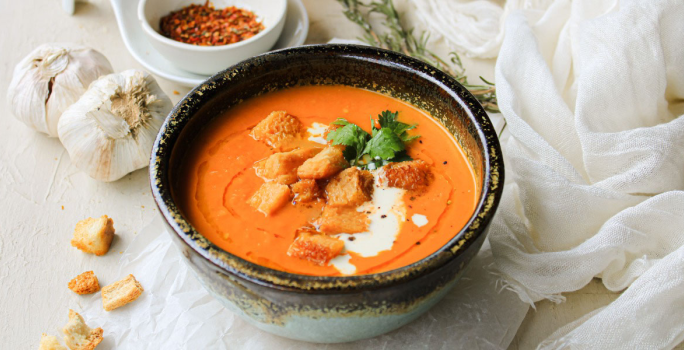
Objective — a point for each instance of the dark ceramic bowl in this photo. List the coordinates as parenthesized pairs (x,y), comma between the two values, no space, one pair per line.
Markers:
(330,309)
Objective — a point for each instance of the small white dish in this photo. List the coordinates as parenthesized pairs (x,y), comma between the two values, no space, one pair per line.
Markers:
(211,59)
(294,33)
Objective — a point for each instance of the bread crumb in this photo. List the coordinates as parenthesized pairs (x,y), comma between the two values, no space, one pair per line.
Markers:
(62,207)
(78,336)
(94,235)
(85,283)
(50,342)
(121,293)
(176,92)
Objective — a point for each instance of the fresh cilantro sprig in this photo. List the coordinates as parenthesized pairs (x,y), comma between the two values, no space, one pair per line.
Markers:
(389,120)
(386,143)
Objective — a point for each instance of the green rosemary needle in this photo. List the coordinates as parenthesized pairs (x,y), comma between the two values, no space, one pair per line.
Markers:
(398,38)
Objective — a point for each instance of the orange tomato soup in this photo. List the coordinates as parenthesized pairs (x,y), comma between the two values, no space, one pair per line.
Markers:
(219,178)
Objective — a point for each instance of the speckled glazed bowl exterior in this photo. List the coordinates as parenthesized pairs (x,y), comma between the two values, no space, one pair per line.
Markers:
(330,309)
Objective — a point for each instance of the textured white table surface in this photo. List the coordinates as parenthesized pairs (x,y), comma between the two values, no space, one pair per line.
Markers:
(42,195)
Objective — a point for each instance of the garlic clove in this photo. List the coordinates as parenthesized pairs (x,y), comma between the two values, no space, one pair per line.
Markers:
(49,80)
(110,130)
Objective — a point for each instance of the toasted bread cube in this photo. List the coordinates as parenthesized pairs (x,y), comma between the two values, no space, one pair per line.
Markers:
(325,164)
(306,191)
(315,247)
(409,175)
(334,220)
(278,129)
(282,167)
(121,293)
(270,197)
(85,283)
(351,187)
(94,235)
(49,342)
(78,336)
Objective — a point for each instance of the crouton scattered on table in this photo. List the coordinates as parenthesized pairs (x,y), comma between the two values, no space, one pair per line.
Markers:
(278,130)
(351,187)
(78,336)
(121,293)
(282,167)
(315,247)
(50,342)
(270,197)
(85,283)
(325,164)
(335,220)
(94,235)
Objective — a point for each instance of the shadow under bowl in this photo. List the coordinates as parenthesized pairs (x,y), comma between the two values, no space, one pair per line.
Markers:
(315,308)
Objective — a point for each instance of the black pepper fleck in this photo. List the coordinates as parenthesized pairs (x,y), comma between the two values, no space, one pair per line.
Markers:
(445,162)
(417,243)
(421,141)
(383,216)
(351,238)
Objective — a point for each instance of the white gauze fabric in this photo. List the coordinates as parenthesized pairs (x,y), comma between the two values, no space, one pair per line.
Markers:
(474,27)
(593,93)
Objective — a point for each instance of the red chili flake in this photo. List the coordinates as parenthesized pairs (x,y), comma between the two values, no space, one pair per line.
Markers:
(205,25)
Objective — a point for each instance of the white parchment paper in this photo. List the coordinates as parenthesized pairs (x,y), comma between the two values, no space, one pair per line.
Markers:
(175,312)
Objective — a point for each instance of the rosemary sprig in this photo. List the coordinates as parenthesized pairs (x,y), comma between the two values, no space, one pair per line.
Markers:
(397,37)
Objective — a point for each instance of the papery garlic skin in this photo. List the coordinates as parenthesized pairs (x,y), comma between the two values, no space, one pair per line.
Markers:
(110,130)
(49,80)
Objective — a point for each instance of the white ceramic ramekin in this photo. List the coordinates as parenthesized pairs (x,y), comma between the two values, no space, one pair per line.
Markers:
(211,59)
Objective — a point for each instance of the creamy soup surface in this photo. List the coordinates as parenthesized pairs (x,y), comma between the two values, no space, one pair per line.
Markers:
(263,182)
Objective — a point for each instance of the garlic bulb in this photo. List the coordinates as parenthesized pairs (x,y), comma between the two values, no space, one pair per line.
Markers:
(49,80)
(110,130)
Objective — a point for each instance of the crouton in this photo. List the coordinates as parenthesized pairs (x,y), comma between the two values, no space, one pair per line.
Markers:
(315,247)
(306,191)
(409,175)
(270,197)
(327,163)
(335,220)
(278,129)
(78,336)
(94,235)
(121,293)
(49,342)
(282,167)
(85,283)
(351,187)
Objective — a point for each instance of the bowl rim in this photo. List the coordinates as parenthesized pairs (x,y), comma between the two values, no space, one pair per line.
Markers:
(147,28)
(492,186)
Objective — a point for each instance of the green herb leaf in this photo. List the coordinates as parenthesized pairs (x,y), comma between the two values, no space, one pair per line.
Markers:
(352,136)
(389,120)
(402,157)
(384,145)
(340,121)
